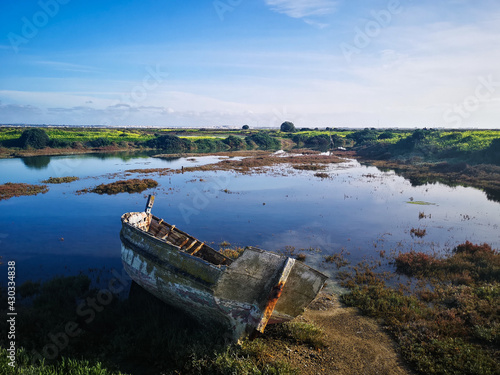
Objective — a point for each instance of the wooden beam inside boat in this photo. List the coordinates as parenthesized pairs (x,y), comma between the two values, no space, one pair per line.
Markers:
(184,242)
(191,245)
(198,248)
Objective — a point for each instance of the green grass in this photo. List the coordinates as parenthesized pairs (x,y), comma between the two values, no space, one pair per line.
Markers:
(25,365)
(83,134)
(302,332)
(446,319)
(123,336)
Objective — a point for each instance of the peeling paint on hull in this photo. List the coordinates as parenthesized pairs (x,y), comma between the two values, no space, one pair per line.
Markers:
(240,294)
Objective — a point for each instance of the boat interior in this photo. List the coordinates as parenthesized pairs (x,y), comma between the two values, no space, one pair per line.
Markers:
(186,243)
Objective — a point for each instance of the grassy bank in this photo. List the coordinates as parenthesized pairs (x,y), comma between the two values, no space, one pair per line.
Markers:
(65,326)
(446,318)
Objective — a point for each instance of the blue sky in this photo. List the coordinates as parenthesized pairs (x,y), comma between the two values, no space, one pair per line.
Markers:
(336,63)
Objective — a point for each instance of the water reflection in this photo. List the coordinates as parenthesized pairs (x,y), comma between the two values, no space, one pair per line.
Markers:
(357,208)
(43,161)
(37,162)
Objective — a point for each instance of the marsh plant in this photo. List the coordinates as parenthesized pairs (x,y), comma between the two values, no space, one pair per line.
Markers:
(447,319)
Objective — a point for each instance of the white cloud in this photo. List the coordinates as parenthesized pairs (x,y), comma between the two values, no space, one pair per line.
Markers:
(303,8)
(57,65)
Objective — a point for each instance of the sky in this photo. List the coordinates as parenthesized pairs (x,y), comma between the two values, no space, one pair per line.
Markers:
(317,63)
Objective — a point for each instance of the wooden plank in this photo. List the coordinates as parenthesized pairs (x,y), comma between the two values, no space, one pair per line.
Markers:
(198,248)
(275,294)
(149,204)
(184,242)
(191,245)
(168,234)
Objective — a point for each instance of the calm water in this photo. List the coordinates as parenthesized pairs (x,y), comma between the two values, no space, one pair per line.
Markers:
(359,209)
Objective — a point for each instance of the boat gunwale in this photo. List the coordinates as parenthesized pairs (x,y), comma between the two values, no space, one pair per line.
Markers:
(161,262)
(227,260)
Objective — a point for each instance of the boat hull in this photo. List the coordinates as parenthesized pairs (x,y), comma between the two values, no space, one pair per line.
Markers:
(242,295)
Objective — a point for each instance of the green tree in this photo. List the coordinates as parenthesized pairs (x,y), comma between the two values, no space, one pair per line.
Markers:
(234,143)
(321,140)
(263,140)
(245,127)
(35,138)
(338,141)
(288,127)
(386,135)
(99,142)
(170,143)
(210,145)
(363,136)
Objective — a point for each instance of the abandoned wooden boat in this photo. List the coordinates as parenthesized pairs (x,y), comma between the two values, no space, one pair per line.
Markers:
(245,294)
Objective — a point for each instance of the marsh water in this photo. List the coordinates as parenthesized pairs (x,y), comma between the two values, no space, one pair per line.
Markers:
(357,209)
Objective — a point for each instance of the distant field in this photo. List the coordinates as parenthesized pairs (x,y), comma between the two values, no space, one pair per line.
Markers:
(82,134)
(431,141)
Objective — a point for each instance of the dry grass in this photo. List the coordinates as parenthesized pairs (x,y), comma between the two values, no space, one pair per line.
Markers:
(260,162)
(9,190)
(123,186)
(60,180)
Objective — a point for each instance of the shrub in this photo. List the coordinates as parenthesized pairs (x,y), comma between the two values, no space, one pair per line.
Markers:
(99,142)
(318,141)
(34,138)
(414,263)
(299,138)
(170,143)
(209,145)
(59,143)
(386,135)
(363,136)
(234,143)
(288,127)
(440,325)
(263,140)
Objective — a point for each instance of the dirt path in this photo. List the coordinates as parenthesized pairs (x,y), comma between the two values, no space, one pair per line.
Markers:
(355,344)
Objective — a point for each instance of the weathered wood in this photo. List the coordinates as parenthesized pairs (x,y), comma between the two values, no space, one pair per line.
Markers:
(149,204)
(275,294)
(184,242)
(191,245)
(198,248)
(163,230)
(169,232)
(256,289)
